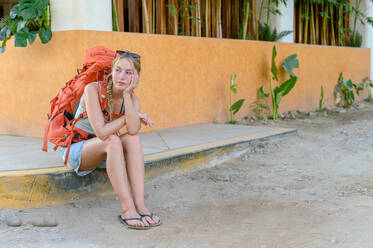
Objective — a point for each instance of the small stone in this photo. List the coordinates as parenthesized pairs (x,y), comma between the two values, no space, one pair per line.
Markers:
(46,221)
(13,220)
(325,113)
(332,109)
(171,205)
(184,201)
(292,116)
(302,111)
(222,176)
(312,114)
(342,111)
(226,194)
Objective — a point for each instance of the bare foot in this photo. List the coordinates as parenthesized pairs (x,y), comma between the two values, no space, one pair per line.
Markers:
(133,214)
(150,218)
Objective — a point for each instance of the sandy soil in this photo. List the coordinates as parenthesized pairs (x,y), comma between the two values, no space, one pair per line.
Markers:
(310,190)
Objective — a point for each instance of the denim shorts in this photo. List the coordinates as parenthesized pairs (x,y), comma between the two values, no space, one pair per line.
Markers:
(75,157)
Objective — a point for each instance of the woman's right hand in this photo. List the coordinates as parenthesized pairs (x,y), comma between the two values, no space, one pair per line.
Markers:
(133,84)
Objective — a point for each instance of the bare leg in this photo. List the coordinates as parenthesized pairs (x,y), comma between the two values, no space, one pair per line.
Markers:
(135,169)
(93,153)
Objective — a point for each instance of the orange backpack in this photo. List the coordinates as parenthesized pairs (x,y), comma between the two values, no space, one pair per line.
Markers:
(60,128)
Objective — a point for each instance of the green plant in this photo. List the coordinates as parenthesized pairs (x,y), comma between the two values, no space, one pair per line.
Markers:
(362,17)
(26,19)
(321,101)
(284,88)
(355,41)
(235,107)
(115,15)
(268,34)
(260,109)
(3,21)
(184,8)
(345,89)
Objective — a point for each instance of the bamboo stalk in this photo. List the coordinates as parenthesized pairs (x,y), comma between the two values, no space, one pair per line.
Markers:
(160,17)
(121,15)
(219,30)
(357,6)
(324,24)
(313,31)
(253,19)
(186,18)
(268,8)
(207,18)
(236,19)
(246,18)
(226,15)
(198,16)
(153,17)
(300,22)
(305,37)
(194,23)
(115,16)
(317,23)
(213,19)
(340,26)
(145,17)
(259,19)
(332,24)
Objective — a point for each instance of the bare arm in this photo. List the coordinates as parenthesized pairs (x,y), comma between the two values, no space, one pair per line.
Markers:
(95,116)
(132,107)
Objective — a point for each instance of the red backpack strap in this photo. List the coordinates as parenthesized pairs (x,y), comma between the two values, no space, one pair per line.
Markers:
(46,131)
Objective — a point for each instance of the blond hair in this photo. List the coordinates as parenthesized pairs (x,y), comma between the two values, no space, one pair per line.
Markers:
(109,89)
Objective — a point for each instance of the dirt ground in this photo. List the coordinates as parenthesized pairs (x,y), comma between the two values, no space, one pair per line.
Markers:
(310,190)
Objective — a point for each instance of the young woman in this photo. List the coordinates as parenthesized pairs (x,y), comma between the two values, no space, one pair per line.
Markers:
(122,154)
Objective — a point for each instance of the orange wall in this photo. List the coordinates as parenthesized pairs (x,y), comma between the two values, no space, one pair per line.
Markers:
(184,80)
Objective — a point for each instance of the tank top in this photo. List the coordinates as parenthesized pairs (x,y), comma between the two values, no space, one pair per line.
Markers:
(84,124)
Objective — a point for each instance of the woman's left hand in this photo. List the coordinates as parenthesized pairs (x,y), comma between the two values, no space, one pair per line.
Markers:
(145,119)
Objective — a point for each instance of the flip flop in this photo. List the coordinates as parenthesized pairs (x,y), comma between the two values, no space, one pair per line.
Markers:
(124,222)
(151,217)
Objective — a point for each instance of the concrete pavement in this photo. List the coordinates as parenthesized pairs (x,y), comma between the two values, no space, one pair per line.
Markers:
(30,177)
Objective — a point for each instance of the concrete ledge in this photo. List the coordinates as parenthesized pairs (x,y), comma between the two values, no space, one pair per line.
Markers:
(52,186)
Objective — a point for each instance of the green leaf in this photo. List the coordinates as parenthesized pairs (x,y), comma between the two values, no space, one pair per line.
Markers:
(349,84)
(277,99)
(237,106)
(20,39)
(45,35)
(233,84)
(21,25)
(4,33)
(262,94)
(14,11)
(31,37)
(287,86)
(274,68)
(340,79)
(290,63)
(275,90)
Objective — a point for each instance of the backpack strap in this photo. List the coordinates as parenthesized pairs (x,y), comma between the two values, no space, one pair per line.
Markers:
(45,141)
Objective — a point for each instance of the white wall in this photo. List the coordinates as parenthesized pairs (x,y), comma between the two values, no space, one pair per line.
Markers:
(81,15)
(366,31)
(280,22)
(285,21)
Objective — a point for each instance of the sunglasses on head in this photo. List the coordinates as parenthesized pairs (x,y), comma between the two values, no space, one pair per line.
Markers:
(133,55)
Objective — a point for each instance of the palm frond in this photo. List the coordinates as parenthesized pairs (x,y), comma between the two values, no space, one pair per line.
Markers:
(3,21)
